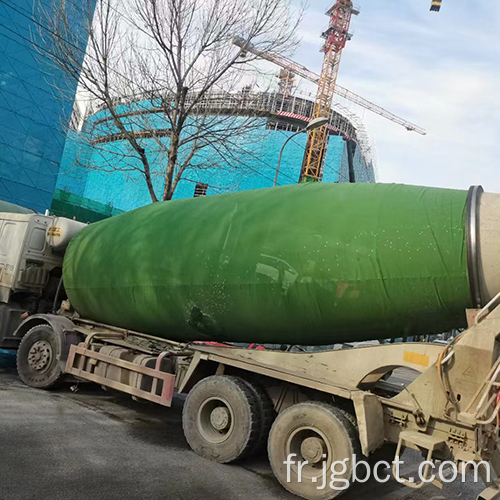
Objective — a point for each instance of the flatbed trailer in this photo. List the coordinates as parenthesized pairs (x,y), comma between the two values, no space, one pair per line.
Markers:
(311,409)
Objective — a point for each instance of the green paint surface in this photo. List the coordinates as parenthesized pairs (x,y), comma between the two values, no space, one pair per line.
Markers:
(304,264)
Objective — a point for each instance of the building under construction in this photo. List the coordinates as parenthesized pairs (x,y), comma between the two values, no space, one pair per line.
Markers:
(87,189)
(339,151)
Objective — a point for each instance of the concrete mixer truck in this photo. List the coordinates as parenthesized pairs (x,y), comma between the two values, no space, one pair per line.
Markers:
(146,298)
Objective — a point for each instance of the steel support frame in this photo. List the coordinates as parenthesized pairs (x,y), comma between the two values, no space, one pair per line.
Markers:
(81,357)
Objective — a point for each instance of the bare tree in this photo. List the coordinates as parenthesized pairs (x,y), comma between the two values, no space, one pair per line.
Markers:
(163,74)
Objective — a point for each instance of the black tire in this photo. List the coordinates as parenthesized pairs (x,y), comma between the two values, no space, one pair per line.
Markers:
(349,416)
(38,358)
(221,419)
(328,432)
(267,414)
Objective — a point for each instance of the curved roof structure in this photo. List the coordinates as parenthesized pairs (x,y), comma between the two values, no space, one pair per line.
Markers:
(283,112)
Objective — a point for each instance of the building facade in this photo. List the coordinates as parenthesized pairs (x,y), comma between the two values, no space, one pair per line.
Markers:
(33,116)
(87,181)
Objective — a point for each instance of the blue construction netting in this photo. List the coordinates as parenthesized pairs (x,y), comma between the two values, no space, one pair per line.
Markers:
(85,166)
(32,112)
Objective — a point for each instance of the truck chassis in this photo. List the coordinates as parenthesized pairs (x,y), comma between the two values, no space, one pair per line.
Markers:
(320,407)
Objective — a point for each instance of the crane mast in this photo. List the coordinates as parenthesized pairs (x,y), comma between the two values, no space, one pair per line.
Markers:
(336,37)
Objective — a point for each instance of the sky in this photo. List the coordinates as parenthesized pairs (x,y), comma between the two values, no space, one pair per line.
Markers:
(440,71)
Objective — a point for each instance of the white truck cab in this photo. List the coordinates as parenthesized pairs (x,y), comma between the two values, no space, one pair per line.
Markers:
(31,253)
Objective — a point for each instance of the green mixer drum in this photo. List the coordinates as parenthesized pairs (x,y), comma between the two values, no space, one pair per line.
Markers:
(303,264)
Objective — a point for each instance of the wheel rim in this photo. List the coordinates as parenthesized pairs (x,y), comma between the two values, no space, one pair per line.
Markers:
(311,445)
(40,355)
(215,420)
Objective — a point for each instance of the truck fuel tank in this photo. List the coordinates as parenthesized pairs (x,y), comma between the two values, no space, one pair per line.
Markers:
(61,231)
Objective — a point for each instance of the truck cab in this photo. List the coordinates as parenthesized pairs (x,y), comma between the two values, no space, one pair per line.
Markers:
(31,254)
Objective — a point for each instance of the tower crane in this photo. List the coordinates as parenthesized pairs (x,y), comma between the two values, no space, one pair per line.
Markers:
(286,83)
(336,37)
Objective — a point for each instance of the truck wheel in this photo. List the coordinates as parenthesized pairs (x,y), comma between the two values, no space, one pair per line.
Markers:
(221,418)
(321,435)
(267,415)
(349,416)
(38,358)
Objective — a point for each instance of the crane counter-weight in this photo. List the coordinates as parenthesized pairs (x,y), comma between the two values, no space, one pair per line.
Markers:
(436,5)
